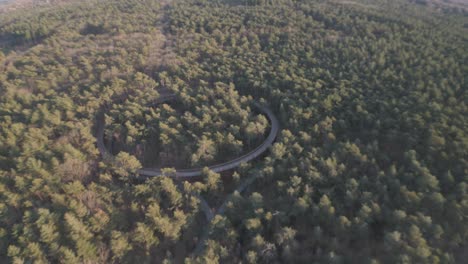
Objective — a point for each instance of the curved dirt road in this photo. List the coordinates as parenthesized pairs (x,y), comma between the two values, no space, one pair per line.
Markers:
(189,173)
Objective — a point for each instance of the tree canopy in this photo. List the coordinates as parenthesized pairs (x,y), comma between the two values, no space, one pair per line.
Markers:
(370,165)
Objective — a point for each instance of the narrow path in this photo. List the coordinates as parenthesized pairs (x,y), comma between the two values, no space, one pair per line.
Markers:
(201,244)
(205,207)
(194,172)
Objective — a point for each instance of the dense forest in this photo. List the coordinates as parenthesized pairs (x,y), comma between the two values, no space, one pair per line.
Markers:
(216,118)
(370,166)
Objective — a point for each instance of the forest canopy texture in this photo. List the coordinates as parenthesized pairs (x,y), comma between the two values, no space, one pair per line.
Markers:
(370,165)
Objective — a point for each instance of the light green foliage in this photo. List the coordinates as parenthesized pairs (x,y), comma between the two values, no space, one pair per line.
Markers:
(125,164)
(370,165)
